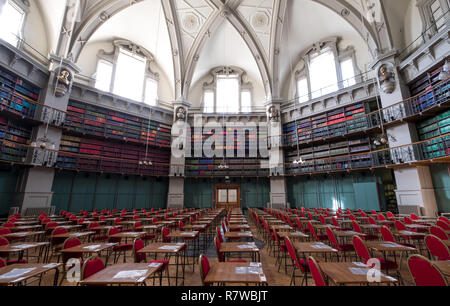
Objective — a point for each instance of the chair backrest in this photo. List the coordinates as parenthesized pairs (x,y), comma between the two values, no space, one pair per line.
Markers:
(204,267)
(356,227)
(51,225)
(138,245)
(407,220)
(444,219)
(312,230)
(414,217)
(332,237)
(372,221)
(112,231)
(390,215)
(219,254)
(91,266)
(4,231)
(59,231)
(387,235)
(437,248)
(322,219)
(3,241)
(165,235)
(219,234)
(316,272)
(93,225)
(381,217)
(299,224)
(438,232)
(424,273)
(335,222)
(137,225)
(2,263)
(293,254)
(361,248)
(70,243)
(8,224)
(399,226)
(444,225)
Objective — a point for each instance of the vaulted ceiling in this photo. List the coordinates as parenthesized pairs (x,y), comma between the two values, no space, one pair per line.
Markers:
(190,37)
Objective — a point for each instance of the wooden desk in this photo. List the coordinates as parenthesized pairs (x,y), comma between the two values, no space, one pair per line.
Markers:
(305,248)
(128,235)
(21,247)
(284,227)
(237,235)
(236,273)
(241,248)
(22,235)
(123,274)
(171,249)
(293,235)
(25,228)
(383,246)
(348,273)
(19,273)
(90,248)
(74,235)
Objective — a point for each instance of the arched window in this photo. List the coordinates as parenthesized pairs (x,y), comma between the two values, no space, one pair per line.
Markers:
(12,19)
(323,69)
(126,72)
(227,92)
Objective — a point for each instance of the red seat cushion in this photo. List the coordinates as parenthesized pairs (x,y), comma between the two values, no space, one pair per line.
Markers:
(123,247)
(346,247)
(12,262)
(162,261)
(387,264)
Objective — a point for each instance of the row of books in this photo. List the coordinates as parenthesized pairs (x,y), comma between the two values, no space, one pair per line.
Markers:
(98,121)
(14,138)
(17,95)
(433,127)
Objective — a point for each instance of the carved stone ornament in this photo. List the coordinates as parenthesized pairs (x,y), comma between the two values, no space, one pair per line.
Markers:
(180,114)
(274,115)
(386,77)
(63,83)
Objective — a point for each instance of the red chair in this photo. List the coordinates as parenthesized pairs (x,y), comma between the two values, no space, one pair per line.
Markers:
(444,225)
(91,266)
(56,242)
(344,248)
(381,217)
(165,235)
(280,251)
(314,234)
(322,219)
(401,227)
(390,215)
(4,241)
(299,264)
(388,237)
(319,278)
(219,234)
(438,232)
(443,219)
(8,225)
(357,229)
(204,268)
(437,248)
(120,248)
(2,263)
(142,257)
(220,254)
(363,253)
(424,273)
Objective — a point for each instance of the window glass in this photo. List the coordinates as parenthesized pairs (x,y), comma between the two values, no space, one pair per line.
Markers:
(11,22)
(104,75)
(208,102)
(323,74)
(246,101)
(348,73)
(129,76)
(228,93)
(151,92)
(302,90)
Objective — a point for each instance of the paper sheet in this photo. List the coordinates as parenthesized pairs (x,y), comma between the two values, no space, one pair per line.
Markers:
(16,273)
(245,246)
(130,274)
(249,270)
(154,265)
(23,246)
(320,246)
(360,264)
(359,271)
(92,247)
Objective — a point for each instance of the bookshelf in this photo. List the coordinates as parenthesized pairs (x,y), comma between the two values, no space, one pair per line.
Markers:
(84,119)
(14,138)
(436,126)
(427,95)
(339,122)
(17,95)
(331,156)
(244,140)
(111,157)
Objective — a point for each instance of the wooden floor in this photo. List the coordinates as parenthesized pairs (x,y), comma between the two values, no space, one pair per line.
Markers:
(274,277)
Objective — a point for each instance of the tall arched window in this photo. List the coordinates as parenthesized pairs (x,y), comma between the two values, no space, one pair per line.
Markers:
(126,72)
(323,69)
(227,92)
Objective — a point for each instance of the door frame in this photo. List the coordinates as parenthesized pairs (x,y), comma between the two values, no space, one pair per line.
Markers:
(237,204)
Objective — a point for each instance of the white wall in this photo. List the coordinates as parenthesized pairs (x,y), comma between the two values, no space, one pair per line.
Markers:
(413,25)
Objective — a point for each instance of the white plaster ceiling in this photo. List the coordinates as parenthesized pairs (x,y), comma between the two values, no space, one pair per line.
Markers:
(52,12)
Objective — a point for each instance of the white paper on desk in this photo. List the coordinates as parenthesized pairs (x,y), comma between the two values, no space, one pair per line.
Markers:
(245,246)
(169,248)
(52,265)
(320,246)
(255,264)
(92,247)
(154,265)
(23,246)
(130,274)
(188,233)
(359,264)
(263,278)
(391,245)
(359,271)
(77,234)
(16,273)
(249,270)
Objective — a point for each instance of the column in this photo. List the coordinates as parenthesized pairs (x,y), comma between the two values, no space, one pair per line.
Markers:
(276,155)
(180,139)
(415,191)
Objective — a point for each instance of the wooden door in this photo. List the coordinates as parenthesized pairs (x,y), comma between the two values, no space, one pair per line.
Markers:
(228,196)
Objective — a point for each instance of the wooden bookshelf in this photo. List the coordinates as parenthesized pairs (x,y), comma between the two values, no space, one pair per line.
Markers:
(17,95)
(97,121)
(436,126)
(14,138)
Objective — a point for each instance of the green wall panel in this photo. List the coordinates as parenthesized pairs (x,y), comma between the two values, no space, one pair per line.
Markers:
(8,181)
(441,182)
